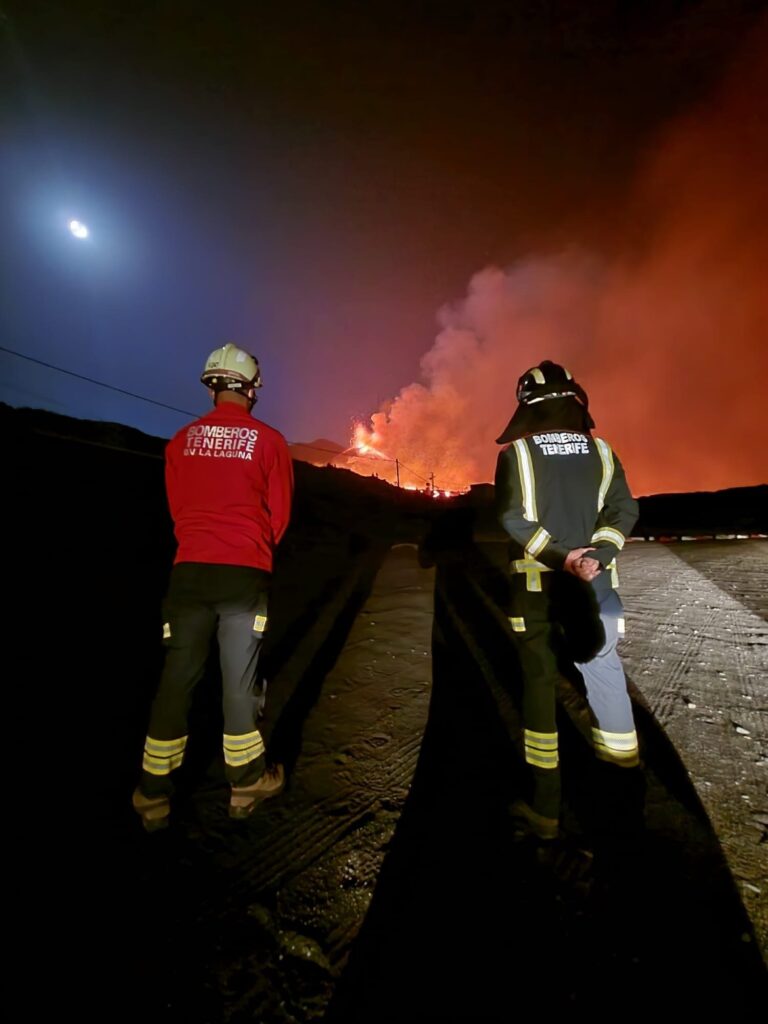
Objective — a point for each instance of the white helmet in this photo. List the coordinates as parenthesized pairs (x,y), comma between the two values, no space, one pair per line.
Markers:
(230,368)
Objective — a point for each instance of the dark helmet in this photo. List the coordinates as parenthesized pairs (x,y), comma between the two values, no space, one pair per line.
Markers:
(539,384)
(547,380)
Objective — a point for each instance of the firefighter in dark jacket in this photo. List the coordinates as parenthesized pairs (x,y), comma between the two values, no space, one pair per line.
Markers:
(229,482)
(564,501)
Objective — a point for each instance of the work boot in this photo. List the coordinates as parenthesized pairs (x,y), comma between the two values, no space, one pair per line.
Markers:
(543,828)
(154,810)
(244,799)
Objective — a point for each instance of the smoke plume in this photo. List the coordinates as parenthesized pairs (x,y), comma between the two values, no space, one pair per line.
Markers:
(667,333)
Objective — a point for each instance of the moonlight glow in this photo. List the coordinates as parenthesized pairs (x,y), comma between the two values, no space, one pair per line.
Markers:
(78,229)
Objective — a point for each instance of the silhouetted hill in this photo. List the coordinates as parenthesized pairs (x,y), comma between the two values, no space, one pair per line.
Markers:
(736,510)
(345,498)
(319,452)
(94,432)
(740,510)
(113,475)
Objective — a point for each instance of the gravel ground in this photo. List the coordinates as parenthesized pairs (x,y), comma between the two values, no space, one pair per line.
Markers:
(387,882)
(388,874)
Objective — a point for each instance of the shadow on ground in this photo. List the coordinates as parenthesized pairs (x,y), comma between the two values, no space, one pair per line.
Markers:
(471,922)
(467,922)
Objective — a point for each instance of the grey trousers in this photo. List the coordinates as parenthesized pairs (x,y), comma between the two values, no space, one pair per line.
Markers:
(203,599)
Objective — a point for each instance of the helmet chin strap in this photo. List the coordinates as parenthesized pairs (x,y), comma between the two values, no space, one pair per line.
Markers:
(248,394)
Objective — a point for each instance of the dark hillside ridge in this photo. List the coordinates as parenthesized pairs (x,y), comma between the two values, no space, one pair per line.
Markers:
(739,510)
(735,510)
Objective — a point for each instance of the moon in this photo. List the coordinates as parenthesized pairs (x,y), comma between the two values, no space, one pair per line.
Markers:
(78,229)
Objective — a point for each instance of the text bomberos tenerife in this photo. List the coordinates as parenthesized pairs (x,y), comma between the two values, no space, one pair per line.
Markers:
(219,442)
(562,443)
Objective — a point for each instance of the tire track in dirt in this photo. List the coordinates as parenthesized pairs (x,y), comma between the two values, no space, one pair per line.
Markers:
(323,823)
(282,897)
(376,750)
(698,656)
(742,572)
(695,654)
(297,880)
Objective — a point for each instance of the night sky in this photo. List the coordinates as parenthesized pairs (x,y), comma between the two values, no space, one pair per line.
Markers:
(396,207)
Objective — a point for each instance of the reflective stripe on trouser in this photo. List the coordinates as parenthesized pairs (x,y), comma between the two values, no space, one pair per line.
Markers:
(241,750)
(230,601)
(613,731)
(616,747)
(162,756)
(541,749)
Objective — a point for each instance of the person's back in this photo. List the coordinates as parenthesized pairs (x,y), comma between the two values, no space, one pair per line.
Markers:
(565,480)
(564,501)
(229,482)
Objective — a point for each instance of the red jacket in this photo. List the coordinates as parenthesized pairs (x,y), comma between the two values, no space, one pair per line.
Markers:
(229,480)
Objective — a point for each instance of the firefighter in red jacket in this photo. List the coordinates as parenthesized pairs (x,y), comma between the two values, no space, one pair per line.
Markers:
(229,481)
(564,501)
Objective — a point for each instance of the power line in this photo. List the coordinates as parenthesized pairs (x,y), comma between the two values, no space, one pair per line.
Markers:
(372,458)
(101,384)
(96,444)
(186,412)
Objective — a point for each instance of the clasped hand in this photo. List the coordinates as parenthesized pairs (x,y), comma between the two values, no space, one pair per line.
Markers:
(578,563)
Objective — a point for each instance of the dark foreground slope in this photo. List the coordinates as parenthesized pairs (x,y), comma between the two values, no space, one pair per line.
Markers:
(388,876)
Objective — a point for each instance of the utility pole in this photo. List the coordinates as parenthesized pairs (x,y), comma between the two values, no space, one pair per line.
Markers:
(397,470)
(432,481)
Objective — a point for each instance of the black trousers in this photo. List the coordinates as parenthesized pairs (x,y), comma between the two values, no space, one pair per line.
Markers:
(203,599)
(568,618)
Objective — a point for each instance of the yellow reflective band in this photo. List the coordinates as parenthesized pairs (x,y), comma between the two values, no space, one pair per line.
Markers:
(537,375)
(539,760)
(166,631)
(621,626)
(568,373)
(616,751)
(518,623)
(615,740)
(243,749)
(165,747)
(242,740)
(611,535)
(527,479)
(532,570)
(627,759)
(548,739)
(161,765)
(538,542)
(242,757)
(162,756)
(606,457)
(541,749)
(259,623)
(614,574)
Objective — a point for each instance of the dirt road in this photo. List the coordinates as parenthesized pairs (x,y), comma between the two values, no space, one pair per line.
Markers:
(697,650)
(388,876)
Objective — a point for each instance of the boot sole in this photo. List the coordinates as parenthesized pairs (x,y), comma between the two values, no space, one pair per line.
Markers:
(155,824)
(241,812)
(155,814)
(543,828)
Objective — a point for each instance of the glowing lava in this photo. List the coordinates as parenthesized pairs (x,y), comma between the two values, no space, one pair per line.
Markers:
(412,472)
